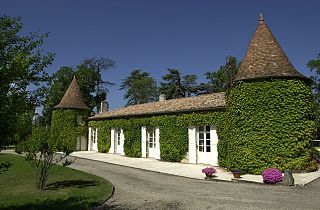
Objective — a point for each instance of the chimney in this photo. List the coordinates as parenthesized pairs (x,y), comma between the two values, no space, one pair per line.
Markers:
(162,97)
(104,106)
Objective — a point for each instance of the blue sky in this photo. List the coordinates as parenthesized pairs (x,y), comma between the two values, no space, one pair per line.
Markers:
(194,36)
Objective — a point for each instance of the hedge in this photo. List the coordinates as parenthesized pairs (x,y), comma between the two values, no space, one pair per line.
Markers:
(270,124)
(173,132)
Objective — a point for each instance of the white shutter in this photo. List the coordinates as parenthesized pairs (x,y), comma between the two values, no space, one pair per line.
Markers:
(157,152)
(90,140)
(122,141)
(192,144)
(143,141)
(112,146)
(214,145)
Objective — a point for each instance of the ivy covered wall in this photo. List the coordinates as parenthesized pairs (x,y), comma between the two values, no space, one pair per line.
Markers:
(269,124)
(173,132)
(68,126)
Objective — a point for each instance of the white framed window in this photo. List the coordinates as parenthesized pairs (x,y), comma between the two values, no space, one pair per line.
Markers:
(204,139)
(117,134)
(151,137)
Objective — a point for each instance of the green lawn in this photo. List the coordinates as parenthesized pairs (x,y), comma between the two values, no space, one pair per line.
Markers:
(66,188)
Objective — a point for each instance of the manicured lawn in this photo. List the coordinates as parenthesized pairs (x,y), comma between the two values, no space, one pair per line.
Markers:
(66,188)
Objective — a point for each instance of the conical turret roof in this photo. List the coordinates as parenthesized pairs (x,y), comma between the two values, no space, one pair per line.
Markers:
(265,58)
(72,98)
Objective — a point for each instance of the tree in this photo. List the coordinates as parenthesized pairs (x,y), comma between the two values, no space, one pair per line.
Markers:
(190,86)
(22,64)
(140,88)
(172,86)
(219,80)
(100,65)
(87,77)
(314,66)
(41,151)
(55,90)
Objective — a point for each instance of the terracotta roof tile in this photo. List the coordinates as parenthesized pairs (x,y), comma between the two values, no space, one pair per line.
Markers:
(265,57)
(72,98)
(196,103)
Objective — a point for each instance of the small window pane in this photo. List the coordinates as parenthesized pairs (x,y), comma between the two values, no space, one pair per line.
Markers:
(207,142)
(207,135)
(201,128)
(201,142)
(208,148)
(201,148)
(201,136)
(207,128)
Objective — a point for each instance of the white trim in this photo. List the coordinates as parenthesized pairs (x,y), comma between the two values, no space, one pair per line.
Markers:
(89,141)
(112,148)
(157,149)
(121,142)
(143,141)
(192,144)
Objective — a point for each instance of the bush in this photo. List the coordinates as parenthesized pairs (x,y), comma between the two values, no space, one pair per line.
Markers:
(313,166)
(271,176)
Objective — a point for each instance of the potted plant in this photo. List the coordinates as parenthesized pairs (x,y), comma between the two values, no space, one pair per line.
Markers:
(271,176)
(236,173)
(209,172)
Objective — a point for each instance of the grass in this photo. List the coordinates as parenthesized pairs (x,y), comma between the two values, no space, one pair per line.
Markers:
(66,188)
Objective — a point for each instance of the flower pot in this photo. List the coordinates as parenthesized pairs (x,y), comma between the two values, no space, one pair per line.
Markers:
(236,175)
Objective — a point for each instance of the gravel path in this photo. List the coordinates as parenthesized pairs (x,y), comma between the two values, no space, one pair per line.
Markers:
(139,189)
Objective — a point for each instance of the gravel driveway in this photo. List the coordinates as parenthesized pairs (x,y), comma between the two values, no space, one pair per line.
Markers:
(139,189)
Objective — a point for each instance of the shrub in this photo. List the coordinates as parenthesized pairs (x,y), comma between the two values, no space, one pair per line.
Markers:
(209,171)
(313,166)
(271,176)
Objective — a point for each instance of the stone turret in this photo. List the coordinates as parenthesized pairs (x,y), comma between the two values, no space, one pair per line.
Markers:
(270,113)
(69,119)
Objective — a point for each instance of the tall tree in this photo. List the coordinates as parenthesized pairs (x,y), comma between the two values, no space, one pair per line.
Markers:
(190,86)
(172,85)
(87,79)
(100,65)
(219,80)
(314,66)
(140,88)
(22,64)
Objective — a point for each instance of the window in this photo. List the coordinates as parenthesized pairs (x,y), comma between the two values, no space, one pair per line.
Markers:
(94,134)
(151,137)
(117,136)
(204,139)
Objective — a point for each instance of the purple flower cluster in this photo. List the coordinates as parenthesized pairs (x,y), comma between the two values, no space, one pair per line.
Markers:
(271,176)
(318,160)
(209,171)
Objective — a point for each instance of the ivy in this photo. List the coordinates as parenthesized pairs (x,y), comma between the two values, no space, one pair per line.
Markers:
(173,132)
(66,125)
(270,124)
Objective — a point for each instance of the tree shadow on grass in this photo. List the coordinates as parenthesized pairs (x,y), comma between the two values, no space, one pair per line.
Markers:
(71,183)
(72,203)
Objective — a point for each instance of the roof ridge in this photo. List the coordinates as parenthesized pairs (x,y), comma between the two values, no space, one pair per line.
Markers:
(201,102)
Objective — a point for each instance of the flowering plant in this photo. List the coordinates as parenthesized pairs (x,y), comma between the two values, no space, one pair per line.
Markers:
(209,171)
(271,176)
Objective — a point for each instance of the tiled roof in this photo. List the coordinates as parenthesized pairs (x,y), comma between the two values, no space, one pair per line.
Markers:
(196,103)
(265,58)
(72,98)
